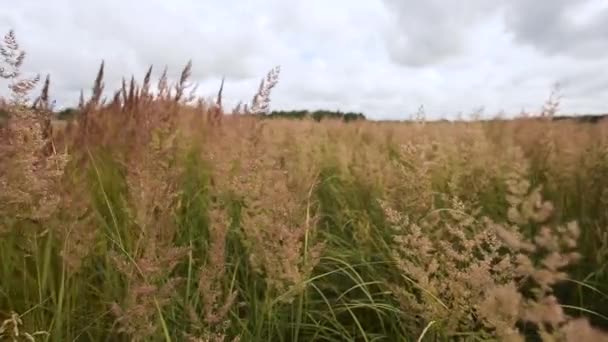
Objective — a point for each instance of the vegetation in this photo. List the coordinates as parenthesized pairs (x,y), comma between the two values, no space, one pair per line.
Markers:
(157,217)
(317,115)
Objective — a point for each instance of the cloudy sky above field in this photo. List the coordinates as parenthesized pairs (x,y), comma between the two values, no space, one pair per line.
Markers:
(382,57)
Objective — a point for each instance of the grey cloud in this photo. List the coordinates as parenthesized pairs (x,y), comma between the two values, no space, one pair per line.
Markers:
(551,27)
(430,32)
(382,57)
(68,39)
(427,32)
(586,83)
(160,34)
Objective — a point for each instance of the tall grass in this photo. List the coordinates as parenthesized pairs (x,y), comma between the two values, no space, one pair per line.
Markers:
(157,217)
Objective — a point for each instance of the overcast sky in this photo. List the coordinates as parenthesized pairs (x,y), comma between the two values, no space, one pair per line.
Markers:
(381,57)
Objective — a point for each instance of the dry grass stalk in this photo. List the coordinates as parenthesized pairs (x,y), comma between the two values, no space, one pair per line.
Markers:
(181,86)
(11,330)
(216,301)
(260,104)
(217,111)
(29,180)
(466,271)
(42,102)
(275,225)
(13,58)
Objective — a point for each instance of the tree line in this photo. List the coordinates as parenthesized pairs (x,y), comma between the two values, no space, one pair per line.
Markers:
(316,115)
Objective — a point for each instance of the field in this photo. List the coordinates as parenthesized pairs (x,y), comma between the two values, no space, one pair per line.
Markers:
(157,217)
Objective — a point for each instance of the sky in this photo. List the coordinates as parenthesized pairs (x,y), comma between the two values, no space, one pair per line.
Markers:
(385,58)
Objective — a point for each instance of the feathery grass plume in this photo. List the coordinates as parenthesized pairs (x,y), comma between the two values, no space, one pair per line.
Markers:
(130,101)
(151,288)
(530,299)
(44,94)
(152,171)
(420,116)
(260,104)
(163,85)
(30,210)
(42,108)
(86,122)
(181,86)
(209,284)
(448,262)
(124,92)
(152,185)
(11,330)
(239,109)
(116,103)
(42,101)
(12,60)
(12,56)
(145,88)
(32,171)
(19,89)
(98,87)
(209,312)
(468,163)
(551,106)
(467,273)
(216,112)
(29,182)
(81,102)
(412,182)
(192,96)
(218,101)
(540,265)
(278,231)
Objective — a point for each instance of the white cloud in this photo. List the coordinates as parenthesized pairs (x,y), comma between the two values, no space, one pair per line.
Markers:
(382,57)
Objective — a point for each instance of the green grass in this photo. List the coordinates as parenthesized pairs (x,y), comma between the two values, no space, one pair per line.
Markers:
(345,298)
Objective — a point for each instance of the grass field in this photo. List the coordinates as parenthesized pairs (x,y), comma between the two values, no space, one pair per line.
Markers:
(156,218)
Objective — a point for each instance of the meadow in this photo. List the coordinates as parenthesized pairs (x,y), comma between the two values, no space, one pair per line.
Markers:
(155,215)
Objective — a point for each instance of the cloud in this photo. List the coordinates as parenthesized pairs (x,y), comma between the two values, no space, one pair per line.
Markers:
(427,32)
(382,57)
(560,27)
(68,39)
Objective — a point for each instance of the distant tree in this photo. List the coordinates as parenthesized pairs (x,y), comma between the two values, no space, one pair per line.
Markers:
(3,115)
(67,114)
(294,114)
(317,115)
(353,117)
